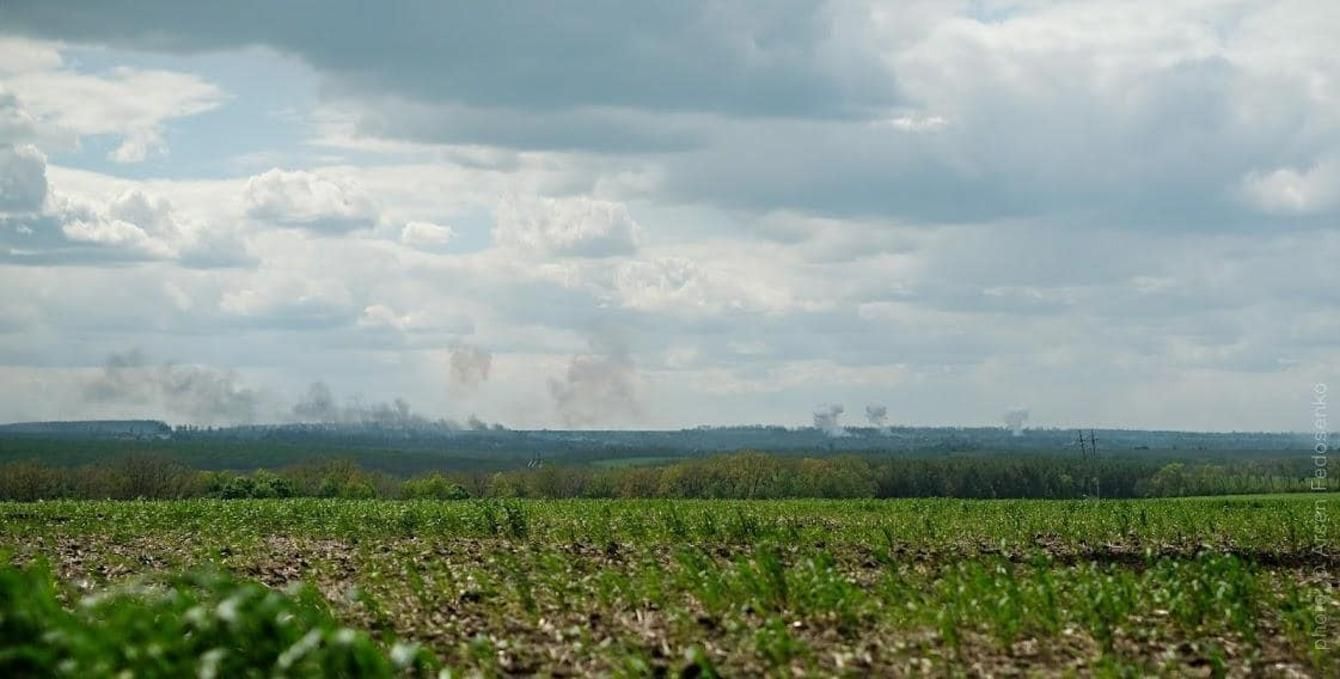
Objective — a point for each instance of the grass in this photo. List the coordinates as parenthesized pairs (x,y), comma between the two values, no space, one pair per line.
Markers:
(1124,588)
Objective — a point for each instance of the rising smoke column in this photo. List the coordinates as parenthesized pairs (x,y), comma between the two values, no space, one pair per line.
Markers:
(318,405)
(1015,419)
(826,419)
(598,386)
(878,417)
(202,395)
(470,366)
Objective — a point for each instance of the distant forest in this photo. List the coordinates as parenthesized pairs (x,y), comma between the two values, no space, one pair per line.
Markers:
(737,475)
(150,459)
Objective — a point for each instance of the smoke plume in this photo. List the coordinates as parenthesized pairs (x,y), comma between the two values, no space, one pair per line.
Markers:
(202,395)
(320,406)
(469,366)
(878,416)
(826,418)
(599,385)
(1015,419)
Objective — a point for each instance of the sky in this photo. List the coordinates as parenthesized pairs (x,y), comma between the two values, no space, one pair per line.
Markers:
(660,215)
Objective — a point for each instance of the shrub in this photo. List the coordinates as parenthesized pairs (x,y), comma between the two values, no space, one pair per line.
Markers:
(195,625)
(434,487)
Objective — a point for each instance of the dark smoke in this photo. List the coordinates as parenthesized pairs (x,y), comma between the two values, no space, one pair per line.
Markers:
(202,395)
(469,366)
(878,416)
(320,406)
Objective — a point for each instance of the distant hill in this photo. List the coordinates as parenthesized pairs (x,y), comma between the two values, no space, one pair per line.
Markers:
(436,435)
(95,429)
(417,445)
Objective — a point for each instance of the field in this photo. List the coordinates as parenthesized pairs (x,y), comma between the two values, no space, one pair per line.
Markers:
(1225,586)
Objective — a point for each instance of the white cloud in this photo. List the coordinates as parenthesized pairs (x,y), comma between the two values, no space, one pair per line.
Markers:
(22,55)
(382,316)
(23,179)
(17,124)
(426,235)
(133,104)
(910,122)
(566,227)
(883,204)
(308,200)
(115,233)
(1293,191)
(730,281)
(138,145)
(282,299)
(128,226)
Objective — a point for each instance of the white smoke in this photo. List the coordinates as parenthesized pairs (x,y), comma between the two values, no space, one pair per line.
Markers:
(598,387)
(826,419)
(878,416)
(1015,419)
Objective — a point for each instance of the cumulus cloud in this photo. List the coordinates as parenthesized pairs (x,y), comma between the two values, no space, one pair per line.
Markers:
(132,220)
(132,225)
(660,283)
(1295,191)
(136,224)
(381,317)
(47,226)
(132,104)
(289,300)
(23,168)
(834,198)
(23,179)
(138,145)
(426,235)
(308,200)
(566,227)
(832,108)
(682,286)
(24,55)
(17,124)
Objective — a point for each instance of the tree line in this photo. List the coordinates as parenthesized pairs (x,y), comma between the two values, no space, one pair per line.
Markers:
(739,475)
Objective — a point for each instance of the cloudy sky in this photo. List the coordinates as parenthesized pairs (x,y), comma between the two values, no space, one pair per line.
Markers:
(611,214)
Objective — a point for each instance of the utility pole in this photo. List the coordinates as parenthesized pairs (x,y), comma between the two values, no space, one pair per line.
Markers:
(1097,479)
